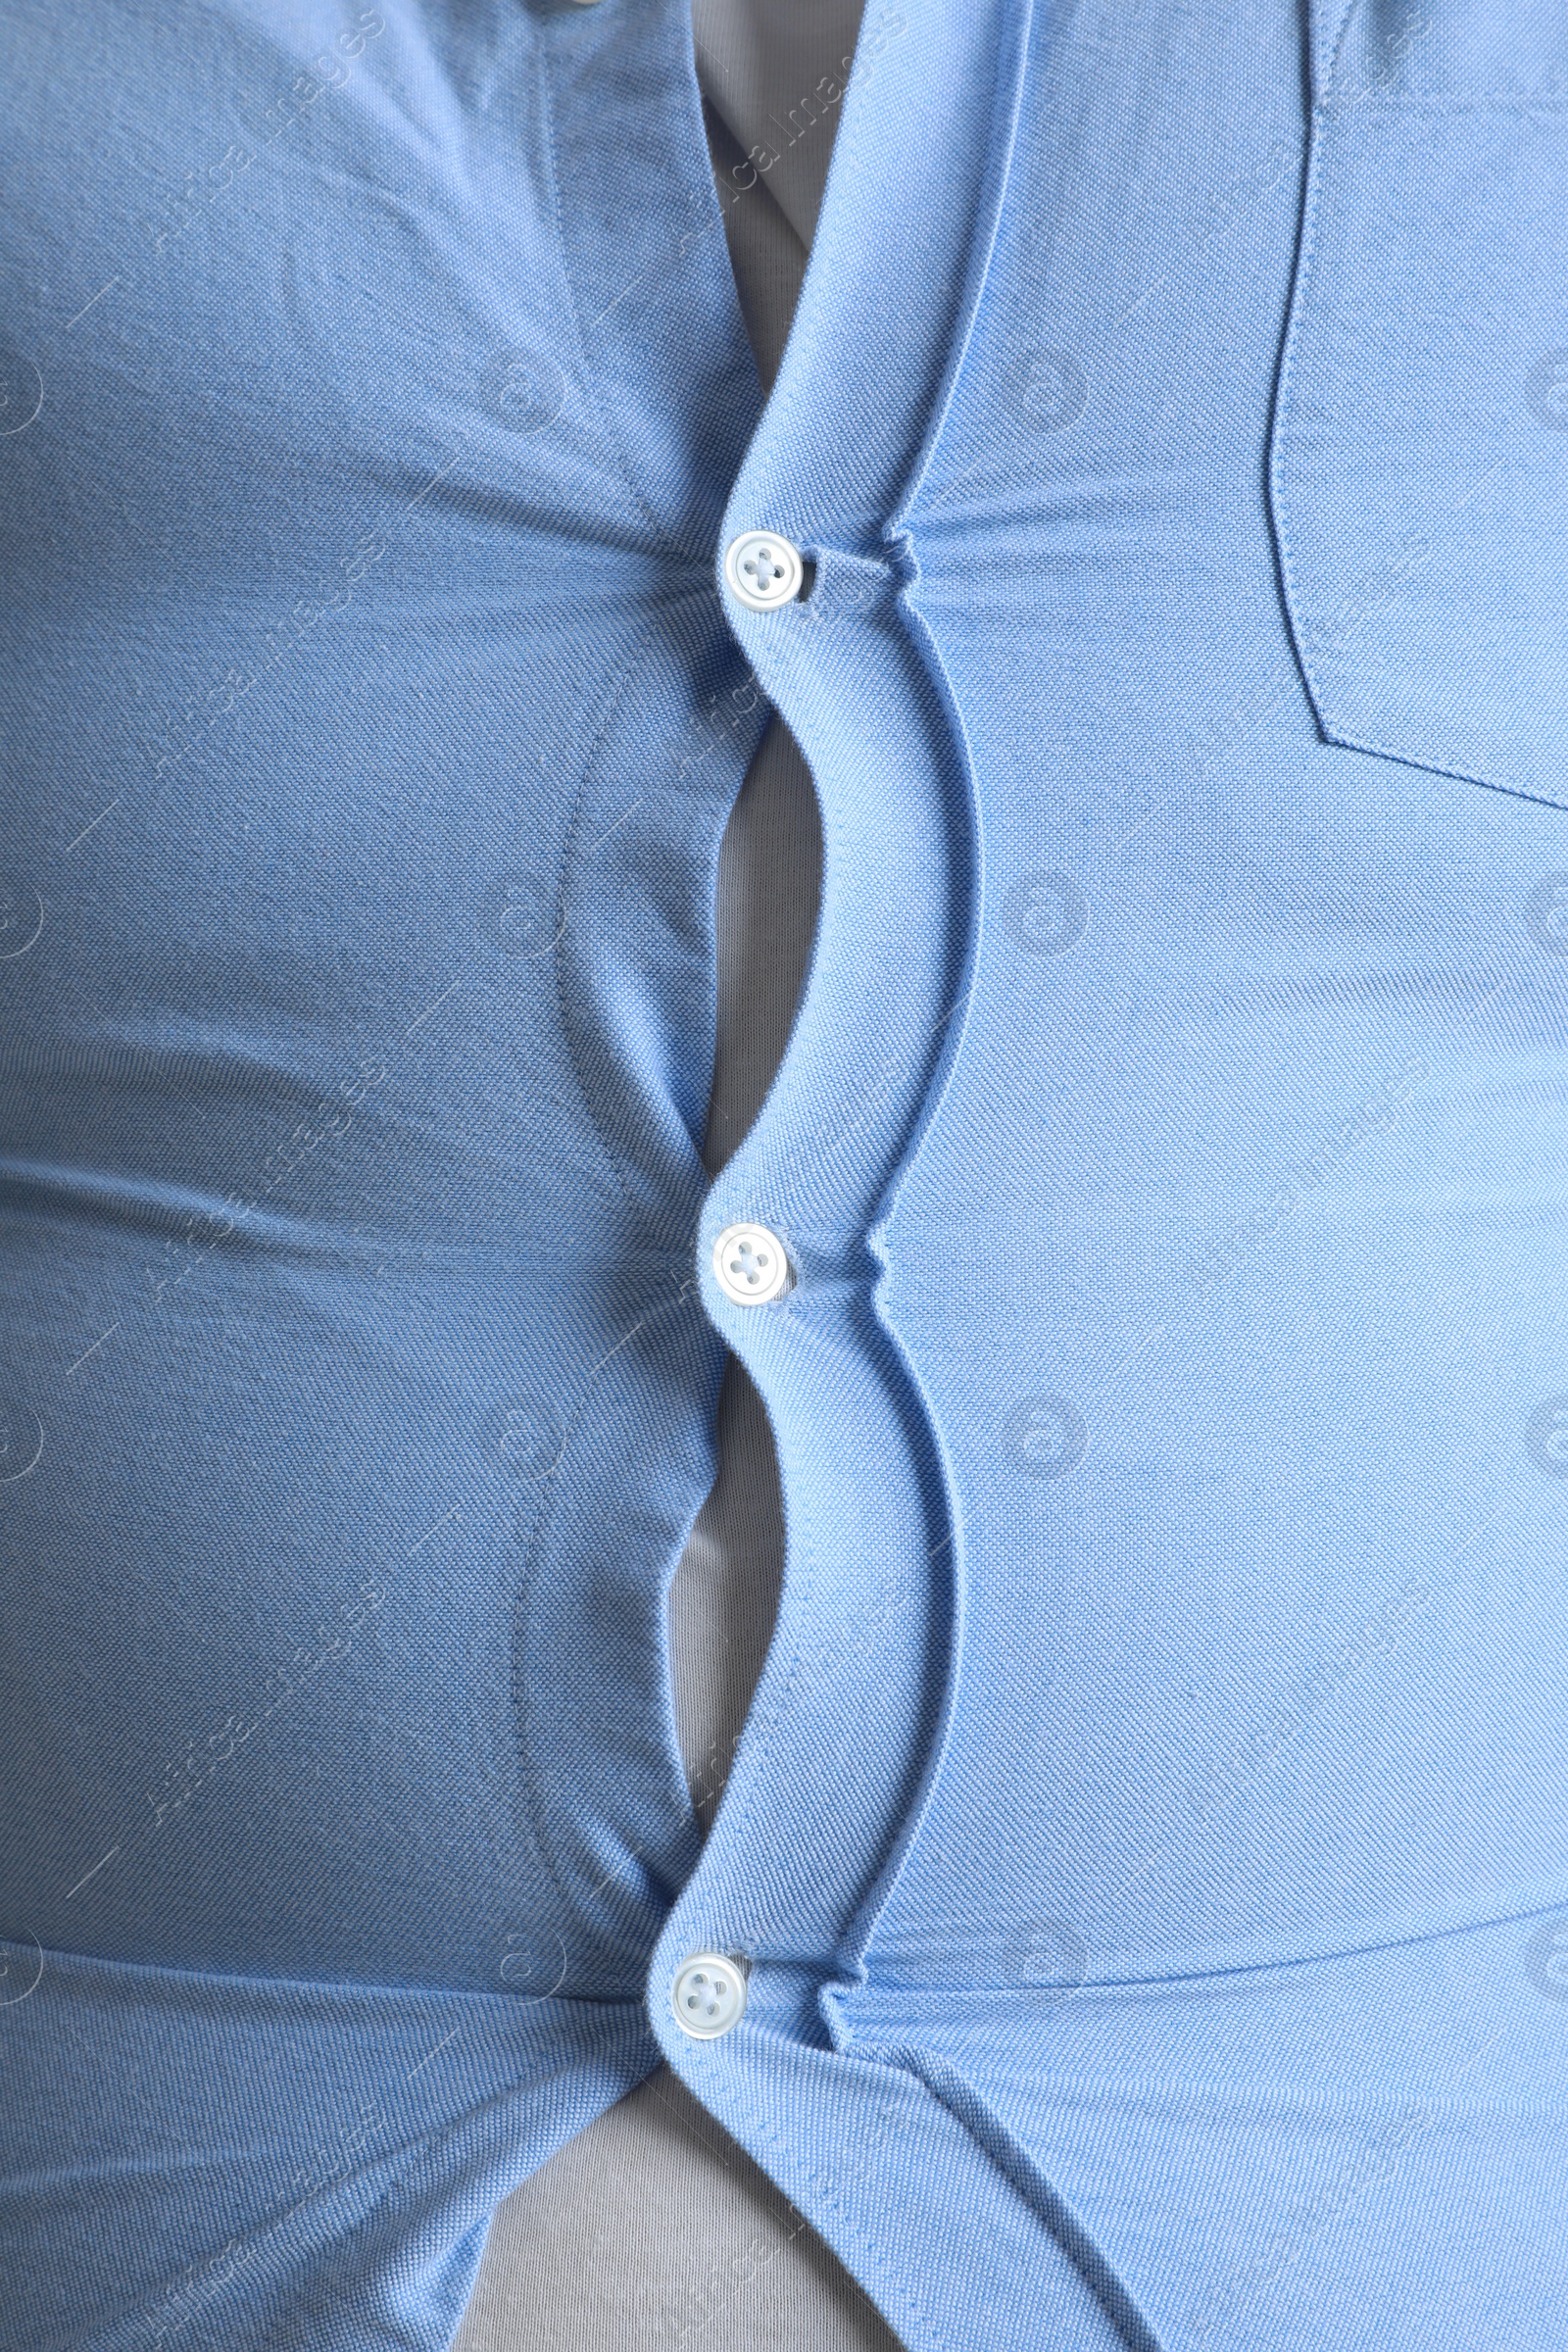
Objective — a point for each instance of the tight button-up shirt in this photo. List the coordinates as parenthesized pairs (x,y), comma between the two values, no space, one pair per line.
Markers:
(1144,1853)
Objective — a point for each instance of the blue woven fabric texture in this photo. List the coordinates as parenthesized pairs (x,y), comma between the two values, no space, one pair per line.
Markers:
(1146,1836)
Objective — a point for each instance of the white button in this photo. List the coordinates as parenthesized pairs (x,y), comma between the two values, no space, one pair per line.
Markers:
(764,570)
(708,1995)
(751,1264)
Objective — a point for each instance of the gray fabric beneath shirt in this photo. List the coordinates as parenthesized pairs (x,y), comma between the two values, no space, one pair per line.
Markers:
(654,2225)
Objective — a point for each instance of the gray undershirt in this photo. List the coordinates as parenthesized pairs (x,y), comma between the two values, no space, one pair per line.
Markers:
(653,2225)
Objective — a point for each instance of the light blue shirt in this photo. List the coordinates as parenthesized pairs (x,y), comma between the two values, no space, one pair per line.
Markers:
(1146,1838)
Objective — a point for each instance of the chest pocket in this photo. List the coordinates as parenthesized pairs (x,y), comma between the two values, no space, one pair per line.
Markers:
(1419,463)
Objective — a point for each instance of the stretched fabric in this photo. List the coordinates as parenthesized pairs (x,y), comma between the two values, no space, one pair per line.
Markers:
(1145,1839)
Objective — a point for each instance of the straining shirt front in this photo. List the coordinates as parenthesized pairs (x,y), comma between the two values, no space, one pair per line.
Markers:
(1136,1910)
